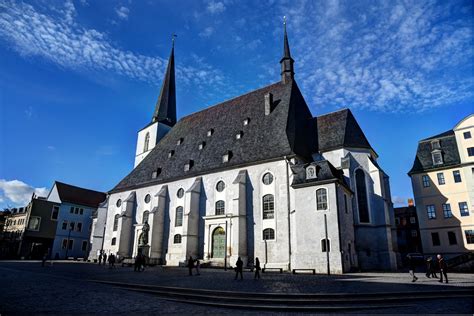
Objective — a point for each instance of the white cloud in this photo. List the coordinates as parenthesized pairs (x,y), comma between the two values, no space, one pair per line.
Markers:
(399,201)
(122,12)
(378,56)
(215,7)
(18,192)
(59,39)
(207,32)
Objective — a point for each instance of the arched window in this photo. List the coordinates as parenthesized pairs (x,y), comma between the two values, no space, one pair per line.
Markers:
(267,178)
(147,142)
(177,239)
(325,245)
(220,186)
(268,234)
(179,216)
(268,206)
(114,241)
(362,203)
(116,219)
(146,214)
(321,199)
(220,208)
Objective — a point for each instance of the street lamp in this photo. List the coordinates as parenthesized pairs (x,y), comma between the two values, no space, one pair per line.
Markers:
(225,253)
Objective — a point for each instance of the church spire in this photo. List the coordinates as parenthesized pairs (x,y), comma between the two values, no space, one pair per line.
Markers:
(287,72)
(165,109)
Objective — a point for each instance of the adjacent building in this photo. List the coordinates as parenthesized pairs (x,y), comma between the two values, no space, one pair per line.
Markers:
(443,185)
(73,213)
(254,176)
(408,230)
(14,228)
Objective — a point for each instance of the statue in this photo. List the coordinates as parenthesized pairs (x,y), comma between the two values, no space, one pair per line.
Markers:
(143,239)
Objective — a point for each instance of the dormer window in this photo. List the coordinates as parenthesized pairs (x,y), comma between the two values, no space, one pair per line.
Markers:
(180,141)
(188,165)
(435,144)
(156,173)
(170,153)
(239,135)
(437,157)
(226,157)
(246,121)
(201,145)
(210,132)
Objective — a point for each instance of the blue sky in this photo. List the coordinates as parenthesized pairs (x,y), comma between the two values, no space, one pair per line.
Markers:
(78,79)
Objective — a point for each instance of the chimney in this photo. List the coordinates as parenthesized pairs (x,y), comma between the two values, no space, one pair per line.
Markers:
(268,103)
(410,202)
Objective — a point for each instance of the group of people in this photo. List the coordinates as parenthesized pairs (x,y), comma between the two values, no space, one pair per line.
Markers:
(239,266)
(193,264)
(111,259)
(431,268)
(140,262)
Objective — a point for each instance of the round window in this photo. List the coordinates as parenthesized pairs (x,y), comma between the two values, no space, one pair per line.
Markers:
(180,193)
(119,203)
(220,186)
(147,198)
(267,178)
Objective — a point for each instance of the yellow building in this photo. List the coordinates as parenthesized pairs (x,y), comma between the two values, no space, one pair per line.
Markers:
(442,177)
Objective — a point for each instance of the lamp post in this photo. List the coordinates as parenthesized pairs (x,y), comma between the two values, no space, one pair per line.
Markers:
(225,251)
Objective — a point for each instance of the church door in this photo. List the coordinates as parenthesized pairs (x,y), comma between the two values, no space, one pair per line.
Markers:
(218,243)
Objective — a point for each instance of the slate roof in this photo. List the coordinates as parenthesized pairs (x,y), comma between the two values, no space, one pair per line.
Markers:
(340,129)
(449,148)
(325,172)
(288,130)
(80,196)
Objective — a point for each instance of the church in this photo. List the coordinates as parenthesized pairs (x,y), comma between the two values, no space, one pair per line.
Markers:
(256,176)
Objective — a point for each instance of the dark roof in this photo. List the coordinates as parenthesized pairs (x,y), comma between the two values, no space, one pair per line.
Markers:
(340,129)
(288,130)
(165,108)
(325,172)
(80,196)
(449,149)
(404,210)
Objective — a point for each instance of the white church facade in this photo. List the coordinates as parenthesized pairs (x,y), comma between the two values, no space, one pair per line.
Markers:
(255,176)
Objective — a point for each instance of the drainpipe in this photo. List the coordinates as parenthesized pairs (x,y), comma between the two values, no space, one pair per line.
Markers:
(289,209)
(326,241)
(339,224)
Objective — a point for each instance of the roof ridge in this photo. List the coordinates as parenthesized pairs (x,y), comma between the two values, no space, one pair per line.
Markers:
(75,186)
(447,133)
(335,111)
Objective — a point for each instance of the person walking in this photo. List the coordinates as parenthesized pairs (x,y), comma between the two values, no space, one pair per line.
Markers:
(104,258)
(443,269)
(100,258)
(411,267)
(136,265)
(430,268)
(111,261)
(43,261)
(190,265)
(197,265)
(257,269)
(238,268)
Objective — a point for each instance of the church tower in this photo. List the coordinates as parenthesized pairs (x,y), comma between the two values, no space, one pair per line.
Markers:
(287,72)
(164,116)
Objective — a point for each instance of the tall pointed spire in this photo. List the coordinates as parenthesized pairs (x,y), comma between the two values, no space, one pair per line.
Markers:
(165,109)
(287,72)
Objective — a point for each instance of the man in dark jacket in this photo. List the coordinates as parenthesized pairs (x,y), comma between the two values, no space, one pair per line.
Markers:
(430,268)
(443,269)
(190,265)
(239,265)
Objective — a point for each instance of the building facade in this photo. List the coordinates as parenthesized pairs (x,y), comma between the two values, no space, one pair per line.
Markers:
(443,185)
(255,176)
(408,230)
(74,219)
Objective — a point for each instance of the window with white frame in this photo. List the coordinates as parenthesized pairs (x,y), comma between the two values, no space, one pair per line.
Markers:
(220,207)
(437,157)
(426,181)
(79,227)
(447,210)
(457,176)
(268,206)
(116,220)
(64,226)
(70,244)
(268,234)
(72,225)
(431,211)
(469,236)
(267,178)
(441,179)
(321,199)
(463,209)
(470,151)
